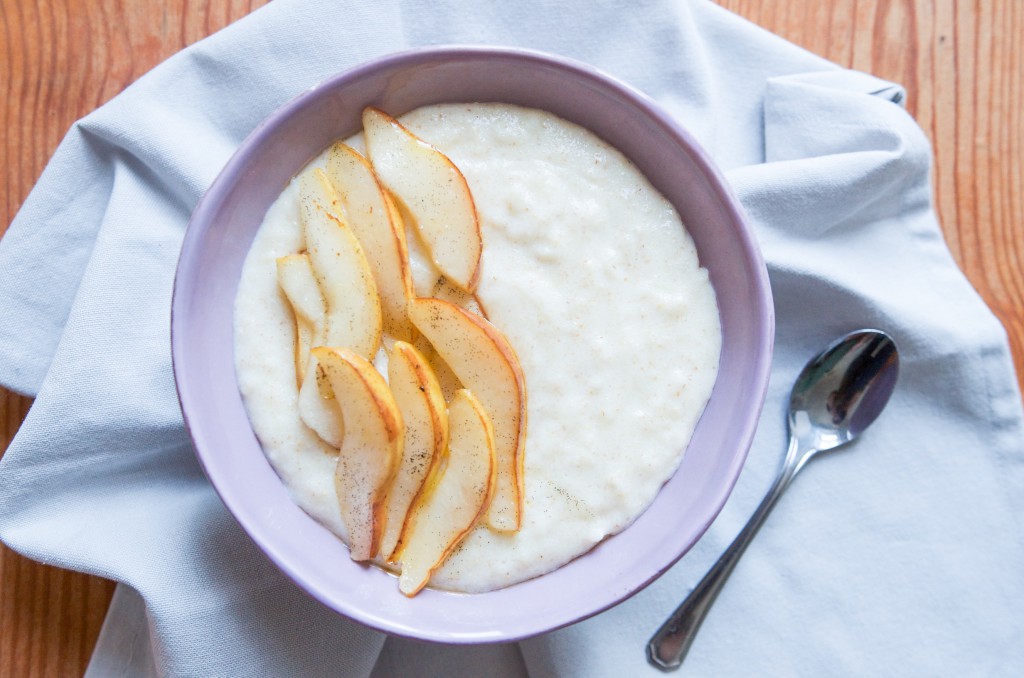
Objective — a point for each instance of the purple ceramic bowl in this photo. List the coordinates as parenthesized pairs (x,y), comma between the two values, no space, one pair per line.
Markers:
(218,238)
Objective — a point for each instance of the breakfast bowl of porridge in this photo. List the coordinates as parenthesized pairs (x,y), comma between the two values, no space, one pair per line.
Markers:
(472,342)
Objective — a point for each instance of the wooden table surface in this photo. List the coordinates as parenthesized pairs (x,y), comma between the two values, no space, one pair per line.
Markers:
(960,60)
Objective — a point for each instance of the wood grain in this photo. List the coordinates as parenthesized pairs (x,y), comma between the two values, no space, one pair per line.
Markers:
(961,62)
(963,66)
(59,60)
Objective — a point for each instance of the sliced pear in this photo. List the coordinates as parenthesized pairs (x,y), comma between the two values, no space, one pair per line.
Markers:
(353,319)
(298,282)
(305,337)
(454,498)
(427,280)
(485,363)
(371,448)
(315,186)
(449,382)
(418,394)
(433,191)
(445,290)
(318,407)
(423,271)
(378,226)
(448,291)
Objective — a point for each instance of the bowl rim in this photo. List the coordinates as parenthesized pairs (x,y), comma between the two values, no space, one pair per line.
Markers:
(218,190)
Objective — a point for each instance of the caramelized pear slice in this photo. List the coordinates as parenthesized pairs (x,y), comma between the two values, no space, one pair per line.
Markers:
(454,498)
(434,192)
(298,282)
(418,394)
(380,230)
(318,408)
(445,377)
(353,318)
(446,290)
(371,448)
(482,359)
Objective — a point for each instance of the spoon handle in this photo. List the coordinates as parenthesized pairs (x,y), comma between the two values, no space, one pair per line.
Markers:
(670,643)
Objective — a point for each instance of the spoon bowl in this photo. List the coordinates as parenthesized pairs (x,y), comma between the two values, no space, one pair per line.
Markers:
(837,395)
(844,389)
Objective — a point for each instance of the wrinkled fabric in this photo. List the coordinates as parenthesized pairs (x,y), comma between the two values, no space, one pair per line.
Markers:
(900,555)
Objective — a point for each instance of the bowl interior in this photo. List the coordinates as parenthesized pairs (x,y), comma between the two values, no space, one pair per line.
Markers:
(225,222)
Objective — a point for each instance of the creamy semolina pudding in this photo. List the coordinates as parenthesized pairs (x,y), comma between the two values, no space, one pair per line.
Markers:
(592,278)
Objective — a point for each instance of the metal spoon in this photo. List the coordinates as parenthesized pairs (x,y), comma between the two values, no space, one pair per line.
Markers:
(836,397)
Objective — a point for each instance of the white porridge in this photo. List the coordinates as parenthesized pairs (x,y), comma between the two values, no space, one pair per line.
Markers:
(591,276)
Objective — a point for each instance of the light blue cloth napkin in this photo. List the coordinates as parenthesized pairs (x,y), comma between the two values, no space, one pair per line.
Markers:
(902,555)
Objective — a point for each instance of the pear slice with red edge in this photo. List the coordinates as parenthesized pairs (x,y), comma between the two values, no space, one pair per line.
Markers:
(318,408)
(485,363)
(433,190)
(454,497)
(318,411)
(425,413)
(377,224)
(371,449)
(297,280)
(444,289)
(353,316)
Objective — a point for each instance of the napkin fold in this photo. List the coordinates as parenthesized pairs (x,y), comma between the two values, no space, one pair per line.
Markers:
(900,555)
